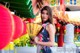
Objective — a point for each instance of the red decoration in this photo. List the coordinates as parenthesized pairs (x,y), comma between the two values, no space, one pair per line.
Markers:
(60,37)
(6,26)
(61,1)
(30,20)
(64,27)
(18,27)
(62,6)
(76,30)
(58,26)
(25,28)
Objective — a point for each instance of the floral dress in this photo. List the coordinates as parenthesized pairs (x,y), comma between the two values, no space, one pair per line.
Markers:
(44,37)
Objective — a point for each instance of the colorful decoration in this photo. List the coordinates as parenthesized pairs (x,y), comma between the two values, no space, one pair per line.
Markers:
(68,17)
(62,8)
(25,28)
(64,28)
(76,30)
(22,41)
(6,26)
(61,2)
(58,26)
(33,29)
(30,20)
(52,2)
(18,27)
(60,37)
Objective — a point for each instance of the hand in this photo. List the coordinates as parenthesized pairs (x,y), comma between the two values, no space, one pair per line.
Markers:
(36,40)
(32,42)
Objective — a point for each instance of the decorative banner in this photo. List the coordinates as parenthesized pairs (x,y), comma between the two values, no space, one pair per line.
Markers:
(18,27)
(6,26)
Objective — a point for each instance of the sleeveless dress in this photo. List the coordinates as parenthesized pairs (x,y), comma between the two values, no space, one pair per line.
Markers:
(44,37)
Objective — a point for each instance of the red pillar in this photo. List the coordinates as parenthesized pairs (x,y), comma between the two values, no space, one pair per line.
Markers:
(60,37)
(62,5)
(61,2)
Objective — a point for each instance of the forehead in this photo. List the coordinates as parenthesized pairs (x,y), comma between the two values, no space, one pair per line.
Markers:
(45,11)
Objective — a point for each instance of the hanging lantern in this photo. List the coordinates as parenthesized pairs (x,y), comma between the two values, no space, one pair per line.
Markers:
(6,26)
(25,28)
(76,30)
(58,26)
(18,27)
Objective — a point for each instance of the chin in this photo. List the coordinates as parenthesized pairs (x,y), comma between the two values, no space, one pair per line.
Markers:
(44,20)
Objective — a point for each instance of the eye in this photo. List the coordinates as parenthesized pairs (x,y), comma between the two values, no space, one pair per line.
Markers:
(46,13)
(42,12)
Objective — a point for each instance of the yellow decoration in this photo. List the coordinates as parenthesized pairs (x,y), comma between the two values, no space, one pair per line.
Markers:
(58,28)
(38,19)
(33,29)
(64,31)
(17,41)
(10,46)
(24,36)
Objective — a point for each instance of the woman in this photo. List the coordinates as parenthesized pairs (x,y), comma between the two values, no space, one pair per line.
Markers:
(37,5)
(45,38)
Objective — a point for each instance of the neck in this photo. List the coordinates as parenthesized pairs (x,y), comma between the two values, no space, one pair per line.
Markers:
(45,22)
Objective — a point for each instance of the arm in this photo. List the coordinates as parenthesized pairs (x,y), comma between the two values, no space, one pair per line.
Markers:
(51,30)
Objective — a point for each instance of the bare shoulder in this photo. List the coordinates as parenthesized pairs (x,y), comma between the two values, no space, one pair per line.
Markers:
(50,26)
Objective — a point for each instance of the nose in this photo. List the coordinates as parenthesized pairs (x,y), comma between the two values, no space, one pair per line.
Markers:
(44,15)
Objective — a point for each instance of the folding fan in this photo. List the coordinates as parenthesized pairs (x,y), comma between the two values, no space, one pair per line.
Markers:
(33,29)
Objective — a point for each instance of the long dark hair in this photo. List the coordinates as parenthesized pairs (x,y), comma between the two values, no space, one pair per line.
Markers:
(49,10)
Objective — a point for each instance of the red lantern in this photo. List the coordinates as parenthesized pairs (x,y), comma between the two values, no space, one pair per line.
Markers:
(25,28)
(6,26)
(18,27)
(58,26)
(77,30)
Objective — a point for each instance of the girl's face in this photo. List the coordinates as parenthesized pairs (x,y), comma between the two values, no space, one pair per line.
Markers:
(44,15)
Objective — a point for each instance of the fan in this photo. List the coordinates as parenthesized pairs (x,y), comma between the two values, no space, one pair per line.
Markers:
(33,29)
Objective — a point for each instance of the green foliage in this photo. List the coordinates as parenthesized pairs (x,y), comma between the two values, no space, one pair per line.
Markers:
(25,40)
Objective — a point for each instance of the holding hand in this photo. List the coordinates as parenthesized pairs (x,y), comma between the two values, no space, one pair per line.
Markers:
(36,40)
